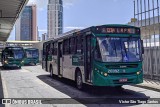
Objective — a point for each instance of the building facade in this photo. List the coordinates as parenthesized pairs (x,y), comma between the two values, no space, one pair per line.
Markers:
(26,25)
(44,36)
(55,18)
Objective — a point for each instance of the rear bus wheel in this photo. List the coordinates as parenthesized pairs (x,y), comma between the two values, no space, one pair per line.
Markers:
(79,82)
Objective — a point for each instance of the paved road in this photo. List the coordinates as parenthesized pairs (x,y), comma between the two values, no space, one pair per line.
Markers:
(33,82)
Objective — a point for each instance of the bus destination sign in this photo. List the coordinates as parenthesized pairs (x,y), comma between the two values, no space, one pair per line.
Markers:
(118,30)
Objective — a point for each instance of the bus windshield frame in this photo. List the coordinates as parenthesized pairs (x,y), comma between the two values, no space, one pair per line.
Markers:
(14,53)
(32,53)
(118,49)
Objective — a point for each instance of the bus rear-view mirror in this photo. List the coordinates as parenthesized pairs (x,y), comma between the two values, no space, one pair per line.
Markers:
(142,47)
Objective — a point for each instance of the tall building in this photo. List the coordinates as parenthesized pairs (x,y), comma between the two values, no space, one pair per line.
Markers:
(55,18)
(26,25)
(44,36)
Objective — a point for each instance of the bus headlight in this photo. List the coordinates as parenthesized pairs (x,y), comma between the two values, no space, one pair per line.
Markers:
(105,74)
(6,62)
(138,72)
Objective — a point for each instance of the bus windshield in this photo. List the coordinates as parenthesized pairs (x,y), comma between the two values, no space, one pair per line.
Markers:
(32,53)
(116,49)
(15,53)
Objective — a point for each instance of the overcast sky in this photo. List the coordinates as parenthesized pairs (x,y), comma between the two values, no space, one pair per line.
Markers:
(85,13)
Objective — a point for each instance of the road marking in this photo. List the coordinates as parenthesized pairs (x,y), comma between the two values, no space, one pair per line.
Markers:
(24,70)
(4,88)
(5,92)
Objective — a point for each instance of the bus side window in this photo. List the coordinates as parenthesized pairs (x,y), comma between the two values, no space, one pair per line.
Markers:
(66,47)
(51,49)
(80,44)
(72,45)
(54,48)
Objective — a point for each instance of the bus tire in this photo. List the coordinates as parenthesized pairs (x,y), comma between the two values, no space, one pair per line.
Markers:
(79,82)
(51,71)
(4,67)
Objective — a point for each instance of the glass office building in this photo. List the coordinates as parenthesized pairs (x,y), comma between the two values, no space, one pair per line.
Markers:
(55,18)
(26,26)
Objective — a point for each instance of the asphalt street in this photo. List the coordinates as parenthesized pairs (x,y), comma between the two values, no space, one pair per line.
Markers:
(33,82)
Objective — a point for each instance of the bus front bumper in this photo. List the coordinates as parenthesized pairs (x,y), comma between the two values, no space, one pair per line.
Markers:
(12,65)
(29,61)
(100,80)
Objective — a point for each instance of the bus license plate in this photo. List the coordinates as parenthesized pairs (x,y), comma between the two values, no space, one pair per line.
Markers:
(123,80)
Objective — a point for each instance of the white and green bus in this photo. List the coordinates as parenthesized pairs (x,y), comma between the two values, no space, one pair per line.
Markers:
(107,55)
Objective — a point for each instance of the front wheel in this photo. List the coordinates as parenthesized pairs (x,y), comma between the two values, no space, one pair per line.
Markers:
(19,67)
(79,82)
(4,67)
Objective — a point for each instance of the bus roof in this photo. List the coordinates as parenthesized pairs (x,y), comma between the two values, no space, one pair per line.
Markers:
(13,47)
(89,29)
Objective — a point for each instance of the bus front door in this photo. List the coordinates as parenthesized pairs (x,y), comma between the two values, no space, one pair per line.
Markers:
(60,59)
(87,65)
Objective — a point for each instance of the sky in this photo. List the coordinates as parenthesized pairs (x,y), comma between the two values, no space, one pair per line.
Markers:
(80,14)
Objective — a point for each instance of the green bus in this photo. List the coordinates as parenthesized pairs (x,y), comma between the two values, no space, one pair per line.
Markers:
(107,55)
(12,57)
(31,56)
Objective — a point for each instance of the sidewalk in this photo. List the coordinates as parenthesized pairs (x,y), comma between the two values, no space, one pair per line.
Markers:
(150,84)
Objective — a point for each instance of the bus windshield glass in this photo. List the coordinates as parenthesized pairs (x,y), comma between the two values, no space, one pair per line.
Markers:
(32,53)
(116,49)
(16,53)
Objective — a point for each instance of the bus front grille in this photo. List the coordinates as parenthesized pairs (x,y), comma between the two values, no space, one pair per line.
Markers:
(124,74)
(121,66)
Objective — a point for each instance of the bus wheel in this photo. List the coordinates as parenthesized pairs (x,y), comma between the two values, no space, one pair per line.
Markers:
(79,82)
(51,71)
(4,67)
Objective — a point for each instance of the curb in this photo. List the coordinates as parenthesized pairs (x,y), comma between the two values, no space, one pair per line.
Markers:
(147,87)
